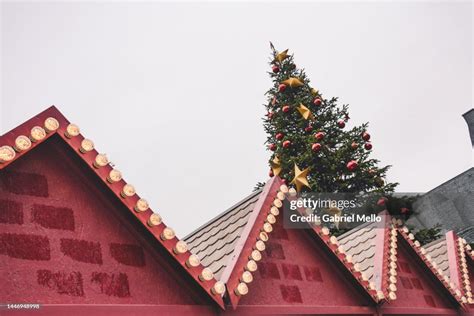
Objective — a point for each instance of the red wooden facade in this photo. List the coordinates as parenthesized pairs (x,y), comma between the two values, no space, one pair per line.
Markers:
(74,242)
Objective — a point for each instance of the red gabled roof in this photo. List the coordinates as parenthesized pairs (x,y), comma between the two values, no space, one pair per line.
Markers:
(226,243)
(8,142)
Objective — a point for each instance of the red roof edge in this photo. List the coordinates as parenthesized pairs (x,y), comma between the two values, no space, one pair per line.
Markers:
(458,256)
(246,243)
(8,139)
(454,260)
(382,253)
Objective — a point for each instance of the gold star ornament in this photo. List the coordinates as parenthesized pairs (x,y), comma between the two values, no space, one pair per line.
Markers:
(276,166)
(282,56)
(293,82)
(301,178)
(304,111)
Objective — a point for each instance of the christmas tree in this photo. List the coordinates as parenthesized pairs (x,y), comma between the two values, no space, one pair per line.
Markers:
(312,148)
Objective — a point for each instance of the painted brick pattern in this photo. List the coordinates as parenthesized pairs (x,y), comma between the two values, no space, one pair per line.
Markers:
(112,284)
(22,246)
(291,271)
(62,282)
(416,284)
(11,212)
(313,274)
(24,183)
(82,250)
(53,217)
(406,283)
(291,293)
(275,251)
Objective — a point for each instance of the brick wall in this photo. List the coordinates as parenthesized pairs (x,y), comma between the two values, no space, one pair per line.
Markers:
(63,240)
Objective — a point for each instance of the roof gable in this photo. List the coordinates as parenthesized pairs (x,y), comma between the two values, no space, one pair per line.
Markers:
(416,288)
(86,245)
(296,270)
(424,259)
(141,215)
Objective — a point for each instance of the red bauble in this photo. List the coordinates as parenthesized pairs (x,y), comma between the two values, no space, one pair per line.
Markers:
(317,102)
(382,201)
(276,69)
(316,147)
(270,173)
(319,135)
(285,109)
(404,210)
(281,87)
(279,136)
(270,115)
(341,124)
(272,147)
(354,145)
(286,144)
(365,136)
(352,165)
(368,146)
(308,128)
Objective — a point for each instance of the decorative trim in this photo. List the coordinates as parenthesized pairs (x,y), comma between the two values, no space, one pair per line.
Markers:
(254,236)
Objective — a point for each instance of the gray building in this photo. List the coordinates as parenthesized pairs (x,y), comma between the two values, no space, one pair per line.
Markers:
(450,204)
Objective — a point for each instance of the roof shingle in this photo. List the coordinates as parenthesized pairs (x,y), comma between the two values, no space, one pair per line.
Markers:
(214,242)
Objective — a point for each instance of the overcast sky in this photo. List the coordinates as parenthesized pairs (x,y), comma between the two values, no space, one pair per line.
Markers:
(173,93)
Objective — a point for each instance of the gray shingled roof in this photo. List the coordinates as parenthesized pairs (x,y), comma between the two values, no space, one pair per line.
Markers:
(450,204)
(438,250)
(214,242)
(360,244)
